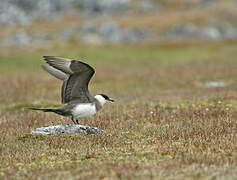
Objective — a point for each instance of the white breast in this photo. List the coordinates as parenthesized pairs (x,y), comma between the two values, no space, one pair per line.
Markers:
(84,110)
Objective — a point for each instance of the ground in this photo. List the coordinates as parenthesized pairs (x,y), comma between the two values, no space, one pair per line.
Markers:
(168,121)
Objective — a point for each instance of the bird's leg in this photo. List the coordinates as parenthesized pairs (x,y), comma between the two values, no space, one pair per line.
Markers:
(77,121)
(73,120)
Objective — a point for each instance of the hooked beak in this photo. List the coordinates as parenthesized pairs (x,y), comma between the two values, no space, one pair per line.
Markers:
(111,100)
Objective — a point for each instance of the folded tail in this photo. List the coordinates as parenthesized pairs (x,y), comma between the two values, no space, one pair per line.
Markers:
(43,109)
(59,110)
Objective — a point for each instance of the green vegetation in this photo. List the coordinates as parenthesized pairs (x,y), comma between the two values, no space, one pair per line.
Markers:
(165,124)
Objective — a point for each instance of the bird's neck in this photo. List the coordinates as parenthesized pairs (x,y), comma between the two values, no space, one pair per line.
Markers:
(101,100)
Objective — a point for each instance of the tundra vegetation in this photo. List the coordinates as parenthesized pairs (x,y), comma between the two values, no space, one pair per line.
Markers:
(174,117)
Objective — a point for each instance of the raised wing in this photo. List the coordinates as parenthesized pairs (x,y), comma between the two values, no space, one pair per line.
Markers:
(59,75)
(55,72)
(79,75)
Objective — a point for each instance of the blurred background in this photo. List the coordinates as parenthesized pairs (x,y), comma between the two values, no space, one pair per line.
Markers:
(170,65)
(43,23)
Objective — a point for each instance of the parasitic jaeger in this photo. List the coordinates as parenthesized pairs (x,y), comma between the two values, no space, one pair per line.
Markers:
(74,93)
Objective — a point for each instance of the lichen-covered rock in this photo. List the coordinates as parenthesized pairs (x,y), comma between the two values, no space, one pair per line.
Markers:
(110,32)
(67,129)
(214,30)
(25,11)
(107,7)
(11,14)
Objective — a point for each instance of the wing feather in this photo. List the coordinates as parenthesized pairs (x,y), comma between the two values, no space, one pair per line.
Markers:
(75,87)
(59,63)
(55,72)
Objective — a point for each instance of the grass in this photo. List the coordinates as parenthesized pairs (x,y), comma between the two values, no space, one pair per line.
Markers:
(165,124)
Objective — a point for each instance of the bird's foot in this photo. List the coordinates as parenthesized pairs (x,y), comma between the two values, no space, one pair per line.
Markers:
(75,121)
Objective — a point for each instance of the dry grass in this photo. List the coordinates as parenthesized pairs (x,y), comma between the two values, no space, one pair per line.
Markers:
(166,124)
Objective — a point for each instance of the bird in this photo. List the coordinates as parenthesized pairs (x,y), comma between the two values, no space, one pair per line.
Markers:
(76,75)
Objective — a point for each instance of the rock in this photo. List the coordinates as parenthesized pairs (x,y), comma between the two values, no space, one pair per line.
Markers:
(216,84)
(148,6)
(11,14)
(25,11)
(216,29)
(211,33)
(213,30)
(67,34)
(218,32)
(185,30)
(110,32)
(67,129)
(20,38)
(109,7)
(229,32)
(87,27)
(138,34)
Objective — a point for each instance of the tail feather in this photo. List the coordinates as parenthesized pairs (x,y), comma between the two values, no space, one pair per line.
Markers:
(43,109)
(58,110)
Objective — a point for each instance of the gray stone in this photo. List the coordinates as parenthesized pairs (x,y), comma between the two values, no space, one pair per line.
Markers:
(110,32)
(216,84)
(105,6)
(67,34)
(211,33)
(87,28)
(67,129)
(114,34)
(148,6)
(229,32)
(185,30)
(20,38)
(11,14)
(25,11)
(214,30)
(138,34)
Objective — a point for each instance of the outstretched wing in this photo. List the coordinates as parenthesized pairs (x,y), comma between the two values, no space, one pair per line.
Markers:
(79,75)
(55,72)
(59,75)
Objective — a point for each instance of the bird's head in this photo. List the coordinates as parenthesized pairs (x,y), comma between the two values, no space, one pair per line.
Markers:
(102,98)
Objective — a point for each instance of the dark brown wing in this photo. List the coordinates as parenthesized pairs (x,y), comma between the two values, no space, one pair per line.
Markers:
(76,86)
